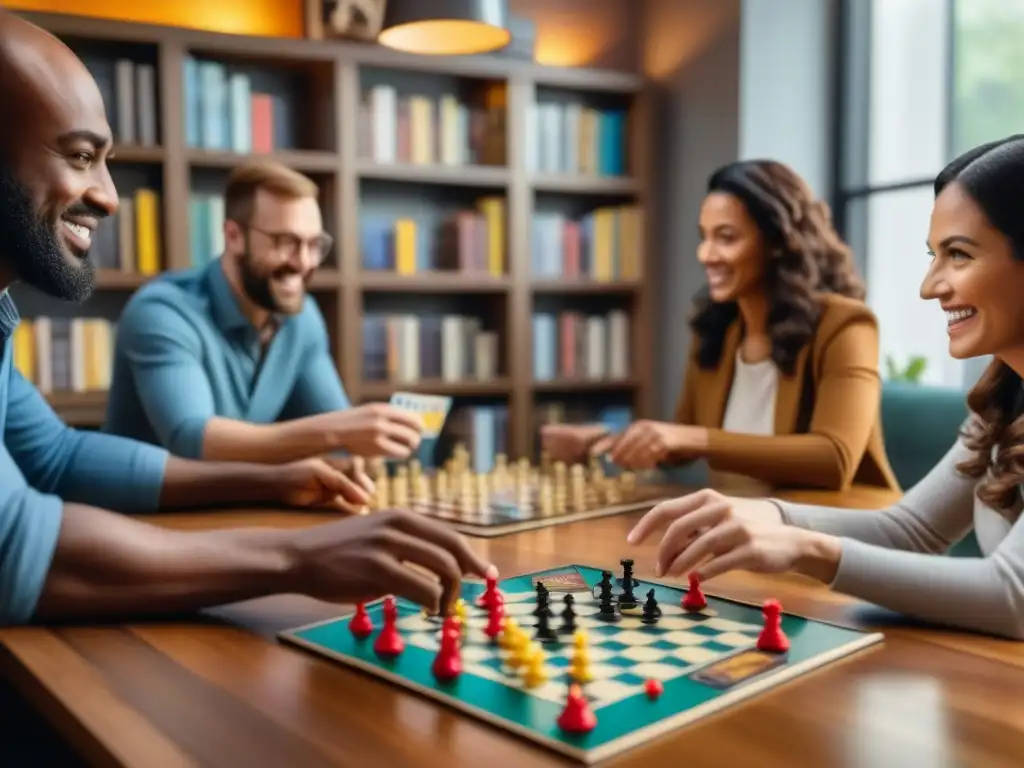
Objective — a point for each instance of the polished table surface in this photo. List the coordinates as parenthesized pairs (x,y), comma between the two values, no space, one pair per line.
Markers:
(219,690)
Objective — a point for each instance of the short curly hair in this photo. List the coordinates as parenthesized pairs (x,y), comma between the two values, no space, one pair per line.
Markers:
(804,257)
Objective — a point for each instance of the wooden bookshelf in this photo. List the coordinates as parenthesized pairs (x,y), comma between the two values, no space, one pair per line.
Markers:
(324,84)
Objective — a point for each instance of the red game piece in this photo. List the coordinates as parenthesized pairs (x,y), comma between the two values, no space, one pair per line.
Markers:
(577,717)
(361,624)
(772,639)
(495,619)
(448,662)
(491,596)
(654,688)
(694,599)
(389,642)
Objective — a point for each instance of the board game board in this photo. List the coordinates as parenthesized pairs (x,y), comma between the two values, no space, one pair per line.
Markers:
(702,660)
(513,496)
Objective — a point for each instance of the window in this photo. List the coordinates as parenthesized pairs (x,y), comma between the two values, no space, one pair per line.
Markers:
(988,85)
(896,138)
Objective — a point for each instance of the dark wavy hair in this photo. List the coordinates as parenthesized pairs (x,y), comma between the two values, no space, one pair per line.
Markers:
(804,257)
(993,176)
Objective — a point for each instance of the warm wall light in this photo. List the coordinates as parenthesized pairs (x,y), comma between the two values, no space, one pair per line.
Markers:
(445,27)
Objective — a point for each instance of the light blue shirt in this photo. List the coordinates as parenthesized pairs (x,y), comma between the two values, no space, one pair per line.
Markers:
(185,353)
(43,464)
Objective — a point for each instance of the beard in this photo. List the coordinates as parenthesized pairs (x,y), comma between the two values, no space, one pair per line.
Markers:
(32,246)
(259,287)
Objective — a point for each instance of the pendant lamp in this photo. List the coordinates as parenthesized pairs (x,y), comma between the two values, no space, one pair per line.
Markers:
(445,27)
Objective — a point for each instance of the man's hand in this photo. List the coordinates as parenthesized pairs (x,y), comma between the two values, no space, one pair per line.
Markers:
(319,483)
(570,442)
(386,553)
(647,443)
(374,429)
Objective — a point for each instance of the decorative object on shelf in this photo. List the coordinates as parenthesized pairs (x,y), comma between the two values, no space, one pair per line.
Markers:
(445,27)
(523,42)
(348,19)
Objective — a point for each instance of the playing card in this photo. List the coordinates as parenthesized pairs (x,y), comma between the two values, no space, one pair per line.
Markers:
(432,410)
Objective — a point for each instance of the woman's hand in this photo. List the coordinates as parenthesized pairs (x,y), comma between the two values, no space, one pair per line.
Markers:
(709,534)
(646,443)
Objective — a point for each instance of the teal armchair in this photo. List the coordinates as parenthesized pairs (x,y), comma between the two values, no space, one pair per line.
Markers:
(920,423)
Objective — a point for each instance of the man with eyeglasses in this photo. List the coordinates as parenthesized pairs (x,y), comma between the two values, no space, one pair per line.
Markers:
(231,362)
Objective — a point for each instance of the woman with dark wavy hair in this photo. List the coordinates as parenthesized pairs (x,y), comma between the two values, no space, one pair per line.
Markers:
(896,558)
(782,387)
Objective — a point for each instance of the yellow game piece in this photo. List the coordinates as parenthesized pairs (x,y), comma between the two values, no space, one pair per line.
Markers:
(579,666)
(461,612)
(508,633)
(533,673)
(520,650)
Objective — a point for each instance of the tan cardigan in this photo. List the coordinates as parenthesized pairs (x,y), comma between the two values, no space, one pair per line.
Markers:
(828,431)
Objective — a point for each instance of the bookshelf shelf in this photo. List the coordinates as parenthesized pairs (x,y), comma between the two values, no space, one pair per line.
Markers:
(306,161)
(449,184)
(381,390)
(133,153)
(584,385)
(586,286)
(462,176)
(433,282)
(584,184)
(114,280)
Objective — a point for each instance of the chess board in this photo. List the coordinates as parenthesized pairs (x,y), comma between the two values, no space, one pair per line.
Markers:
(706,661)
(513,497)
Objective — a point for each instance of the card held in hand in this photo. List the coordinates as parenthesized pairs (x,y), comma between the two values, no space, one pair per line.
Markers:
(432,410)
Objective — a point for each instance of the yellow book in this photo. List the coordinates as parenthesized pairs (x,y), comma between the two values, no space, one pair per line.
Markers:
(604,242)
(405,246)
(421,125)
(25,350)
(493,210)
(147,231)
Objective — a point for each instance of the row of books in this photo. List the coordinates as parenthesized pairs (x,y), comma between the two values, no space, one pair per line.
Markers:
(60,354)
(406,348)
(572,138)
(131,240)
(468,241)
(606,244)
(424,130)
(206,227)
(577,345)
(130,98)
(224,112)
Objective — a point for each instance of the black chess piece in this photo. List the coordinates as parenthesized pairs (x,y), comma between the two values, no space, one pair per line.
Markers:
(569,616)
(627,599)
(627,574)
(544,631)
(607,611)
(652,611)
(543,602)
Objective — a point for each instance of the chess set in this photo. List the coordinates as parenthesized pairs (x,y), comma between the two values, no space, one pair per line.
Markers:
(513,496)
(618,663)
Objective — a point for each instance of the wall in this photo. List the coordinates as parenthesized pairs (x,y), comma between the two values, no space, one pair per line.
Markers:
(786,86)
(692,50)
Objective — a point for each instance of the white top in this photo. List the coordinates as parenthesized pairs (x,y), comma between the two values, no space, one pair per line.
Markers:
(751,411)
(895,557)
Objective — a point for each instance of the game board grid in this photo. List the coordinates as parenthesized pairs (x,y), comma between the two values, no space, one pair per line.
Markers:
(623,655)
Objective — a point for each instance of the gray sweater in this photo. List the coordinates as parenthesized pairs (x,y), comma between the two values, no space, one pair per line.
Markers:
(894,557)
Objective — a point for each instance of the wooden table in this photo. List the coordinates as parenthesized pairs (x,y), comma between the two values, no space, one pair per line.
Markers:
(220,691)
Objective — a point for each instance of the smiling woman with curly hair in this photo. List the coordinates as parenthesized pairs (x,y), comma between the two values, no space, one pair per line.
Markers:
(782,388)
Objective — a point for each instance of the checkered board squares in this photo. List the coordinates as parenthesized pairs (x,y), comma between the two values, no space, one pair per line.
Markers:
(506,513)
(689,653)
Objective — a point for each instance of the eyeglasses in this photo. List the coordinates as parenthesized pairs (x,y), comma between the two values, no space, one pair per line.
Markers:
(289,245)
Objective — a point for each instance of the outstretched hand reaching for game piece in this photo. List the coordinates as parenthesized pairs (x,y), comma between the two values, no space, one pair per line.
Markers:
(361,558)
(710,534)
(646,443)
